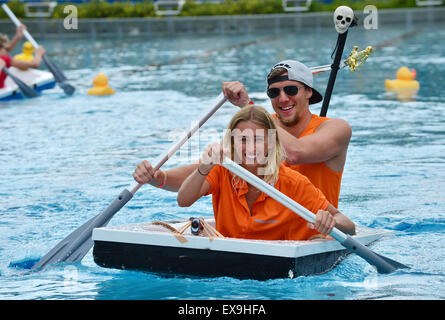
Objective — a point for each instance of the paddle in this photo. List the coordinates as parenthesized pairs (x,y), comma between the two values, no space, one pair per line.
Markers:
(383,264)
(327,67)
(341,40)
(355,60)
(76,245)
(24,88)
(57,73)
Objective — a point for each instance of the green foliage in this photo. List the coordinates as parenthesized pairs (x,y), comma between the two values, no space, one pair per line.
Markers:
(99,9)
(232,7)
(104,9)
(360,5)
(16,7)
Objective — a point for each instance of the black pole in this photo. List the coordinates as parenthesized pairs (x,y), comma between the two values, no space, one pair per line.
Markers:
(333,75)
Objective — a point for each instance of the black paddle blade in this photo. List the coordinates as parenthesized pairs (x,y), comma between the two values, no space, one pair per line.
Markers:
(67,88)
(77,244)
(383,264)
(69,246)
(59,76)
(27,91)
(395,264)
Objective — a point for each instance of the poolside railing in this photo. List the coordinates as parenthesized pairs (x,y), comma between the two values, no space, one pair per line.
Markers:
(168,7)
(429,3)
(296,5)
(406,18)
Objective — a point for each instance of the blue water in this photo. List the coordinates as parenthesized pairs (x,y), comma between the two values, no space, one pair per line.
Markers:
(64,159)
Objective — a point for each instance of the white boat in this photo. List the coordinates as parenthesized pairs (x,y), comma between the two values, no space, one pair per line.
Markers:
(155,248)
(37,79)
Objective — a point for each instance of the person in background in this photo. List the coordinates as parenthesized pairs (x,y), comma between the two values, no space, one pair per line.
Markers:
(6,48)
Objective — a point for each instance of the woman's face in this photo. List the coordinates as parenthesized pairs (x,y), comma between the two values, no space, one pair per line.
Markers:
(250,145)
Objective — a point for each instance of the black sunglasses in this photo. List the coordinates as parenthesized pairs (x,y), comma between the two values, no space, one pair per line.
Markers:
(289,90)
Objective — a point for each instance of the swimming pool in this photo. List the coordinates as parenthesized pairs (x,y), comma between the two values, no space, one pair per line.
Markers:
(65,159)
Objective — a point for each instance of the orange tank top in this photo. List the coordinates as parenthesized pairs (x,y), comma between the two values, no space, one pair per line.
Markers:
(323,177)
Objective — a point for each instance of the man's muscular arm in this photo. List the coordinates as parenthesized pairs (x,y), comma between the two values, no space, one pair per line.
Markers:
(328,144)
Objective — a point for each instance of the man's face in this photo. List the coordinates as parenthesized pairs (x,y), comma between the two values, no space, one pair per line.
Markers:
(287,107)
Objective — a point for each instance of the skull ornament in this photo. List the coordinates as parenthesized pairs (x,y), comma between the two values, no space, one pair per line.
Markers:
(343,17)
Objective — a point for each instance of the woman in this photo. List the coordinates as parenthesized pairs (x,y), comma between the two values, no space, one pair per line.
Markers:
(241,210)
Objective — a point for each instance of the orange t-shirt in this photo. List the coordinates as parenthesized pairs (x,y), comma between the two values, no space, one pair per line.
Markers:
(323,177)
(269,220)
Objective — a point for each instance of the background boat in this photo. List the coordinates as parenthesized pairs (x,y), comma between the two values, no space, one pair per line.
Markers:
(38,79)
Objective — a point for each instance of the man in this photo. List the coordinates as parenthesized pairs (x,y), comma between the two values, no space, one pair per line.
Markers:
(315,146)
(7,46)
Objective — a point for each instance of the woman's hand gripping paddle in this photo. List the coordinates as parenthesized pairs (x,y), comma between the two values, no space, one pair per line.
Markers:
(76,245)
(383,264)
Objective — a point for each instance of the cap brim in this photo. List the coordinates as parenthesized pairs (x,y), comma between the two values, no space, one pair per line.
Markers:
(316,97)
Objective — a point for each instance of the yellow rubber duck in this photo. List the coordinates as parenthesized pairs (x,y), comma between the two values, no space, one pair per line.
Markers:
(405,86)
(100,86)
(28,50)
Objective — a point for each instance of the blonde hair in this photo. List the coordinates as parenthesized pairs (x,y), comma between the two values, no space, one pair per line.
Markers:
(261,117)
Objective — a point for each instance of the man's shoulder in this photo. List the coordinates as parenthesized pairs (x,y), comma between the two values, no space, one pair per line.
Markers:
(321,119)
(337,123)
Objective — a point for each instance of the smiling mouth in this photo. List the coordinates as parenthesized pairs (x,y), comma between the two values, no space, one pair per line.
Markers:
(250,159)
(288,108)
